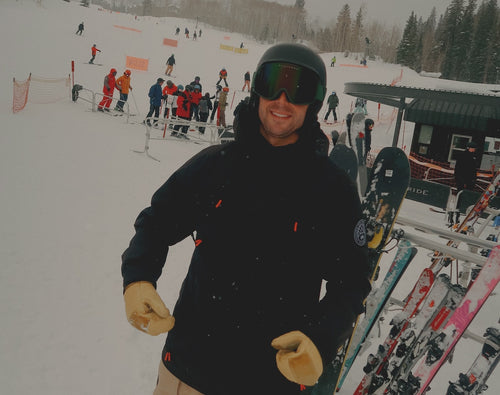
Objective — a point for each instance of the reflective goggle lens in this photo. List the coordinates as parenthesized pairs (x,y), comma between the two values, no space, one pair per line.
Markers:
(301,85)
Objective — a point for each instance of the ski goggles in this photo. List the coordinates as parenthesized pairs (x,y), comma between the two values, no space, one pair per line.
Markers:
(301,85)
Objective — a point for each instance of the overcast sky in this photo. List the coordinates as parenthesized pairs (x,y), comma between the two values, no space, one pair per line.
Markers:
(390,11)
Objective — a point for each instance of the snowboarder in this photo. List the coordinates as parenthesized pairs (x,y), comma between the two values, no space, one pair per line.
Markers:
(170,65)
(186,32)
(222,77)
(123,85)
(332,63)
(155,96)
(246,83)
(333,102)
(80,29)
(360,105)
(465,168)
(94,51)
(263,244)
(108,90)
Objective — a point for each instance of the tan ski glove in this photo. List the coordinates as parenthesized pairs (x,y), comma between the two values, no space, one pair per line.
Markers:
(145,310)
(297,358)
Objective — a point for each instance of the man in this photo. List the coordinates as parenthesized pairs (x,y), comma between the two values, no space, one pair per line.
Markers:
(332,63)
(369,124)
(221,119)
(218,91)
(170,65)
(155,95)
(170,98)
(246,83)
(94,51)
(333,102)
(123,85)
(249,319)
(80,29)
(465,168)
(108,89)
(222,77)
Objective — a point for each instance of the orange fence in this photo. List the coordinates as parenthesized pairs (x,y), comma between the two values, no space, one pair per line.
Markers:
(128,28)
(137,63)
(170,42)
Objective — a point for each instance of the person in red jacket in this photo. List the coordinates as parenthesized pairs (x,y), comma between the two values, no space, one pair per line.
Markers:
(183,109)
(170,97)
(195,103)
(94,53)
(222,77)
(108,89)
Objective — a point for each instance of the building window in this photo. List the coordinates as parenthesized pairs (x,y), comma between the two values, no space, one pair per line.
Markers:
(458,144)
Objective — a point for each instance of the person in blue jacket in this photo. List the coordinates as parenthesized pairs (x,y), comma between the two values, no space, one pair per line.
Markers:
(250,317)
(155,96)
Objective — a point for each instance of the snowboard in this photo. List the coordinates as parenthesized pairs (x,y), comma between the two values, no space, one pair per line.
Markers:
(357,130)
(93,64)
(388,183)
(345,158)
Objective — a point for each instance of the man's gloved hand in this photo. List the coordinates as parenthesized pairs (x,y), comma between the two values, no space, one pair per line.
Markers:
(145,310)
(297,358)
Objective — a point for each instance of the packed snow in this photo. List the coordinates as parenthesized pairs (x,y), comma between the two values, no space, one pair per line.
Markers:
(72,185)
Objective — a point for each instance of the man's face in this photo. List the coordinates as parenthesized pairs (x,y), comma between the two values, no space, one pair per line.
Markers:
(280,120)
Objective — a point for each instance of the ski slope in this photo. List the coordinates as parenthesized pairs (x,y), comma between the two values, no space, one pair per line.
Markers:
(71,187)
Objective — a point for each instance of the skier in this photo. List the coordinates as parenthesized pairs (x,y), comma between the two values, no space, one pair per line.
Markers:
(155,96)
(204,109)
(196,82)
(465,168)
(195,103)
(246,84)
(218,90)
(333,102)
(369,123)
(222,106)
(80,29)
(108,90)
(94,51)
(177,30)
(194,36)
(222,77)
(186,32)
(183,111)
(264,243)
(170,98)
(170,65)
(332,63)
(123,85)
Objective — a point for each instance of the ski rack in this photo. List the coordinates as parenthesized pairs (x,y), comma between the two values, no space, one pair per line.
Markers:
(446,250)
(466,335)
(217,135)
(447,234)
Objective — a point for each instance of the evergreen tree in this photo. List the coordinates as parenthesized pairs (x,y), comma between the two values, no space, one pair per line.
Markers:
(357,32)
(428,60)
(407,49)
(464,42)
(483,55)
(451,33)
(342,33)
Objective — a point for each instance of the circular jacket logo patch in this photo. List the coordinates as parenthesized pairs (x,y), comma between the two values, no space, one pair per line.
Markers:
(360,233)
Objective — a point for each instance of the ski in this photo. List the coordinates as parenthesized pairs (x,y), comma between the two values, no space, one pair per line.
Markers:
(443,343)
(439,304)
(474,381)
(389,180)
(377,362)
(375,302)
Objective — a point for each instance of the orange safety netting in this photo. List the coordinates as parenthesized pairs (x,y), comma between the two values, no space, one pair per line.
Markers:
(20,94)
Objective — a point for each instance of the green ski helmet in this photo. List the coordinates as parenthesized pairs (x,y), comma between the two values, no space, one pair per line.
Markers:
(307,84)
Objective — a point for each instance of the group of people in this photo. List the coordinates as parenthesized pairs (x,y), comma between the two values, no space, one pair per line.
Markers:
(110,83)
(186,103)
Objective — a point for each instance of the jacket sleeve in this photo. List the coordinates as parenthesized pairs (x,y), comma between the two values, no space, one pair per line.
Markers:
(347,280)
(168,220)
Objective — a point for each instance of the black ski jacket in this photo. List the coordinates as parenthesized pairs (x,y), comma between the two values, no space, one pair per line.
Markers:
(266,241)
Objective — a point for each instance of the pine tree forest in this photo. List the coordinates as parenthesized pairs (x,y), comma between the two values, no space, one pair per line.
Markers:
(462,44)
